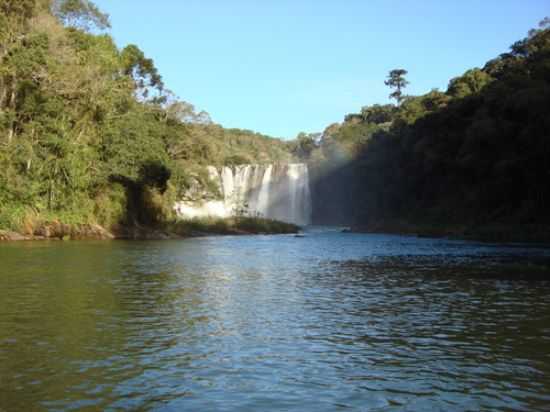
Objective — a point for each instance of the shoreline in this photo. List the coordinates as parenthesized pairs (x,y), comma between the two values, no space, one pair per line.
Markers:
(57,231)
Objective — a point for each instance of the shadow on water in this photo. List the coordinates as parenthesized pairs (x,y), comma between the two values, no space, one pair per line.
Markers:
(513,268)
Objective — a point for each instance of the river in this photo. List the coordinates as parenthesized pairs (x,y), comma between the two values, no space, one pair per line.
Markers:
(328,322)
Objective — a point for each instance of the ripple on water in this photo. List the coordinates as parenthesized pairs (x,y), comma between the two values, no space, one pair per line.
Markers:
(333,321)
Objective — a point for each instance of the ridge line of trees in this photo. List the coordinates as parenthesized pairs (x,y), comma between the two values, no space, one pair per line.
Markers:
(475,154)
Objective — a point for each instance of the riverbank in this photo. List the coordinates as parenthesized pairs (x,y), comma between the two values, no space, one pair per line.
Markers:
(501,233)
(56,230)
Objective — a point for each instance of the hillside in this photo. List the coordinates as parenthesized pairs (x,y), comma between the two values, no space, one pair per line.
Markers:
(89,133)
(471,158)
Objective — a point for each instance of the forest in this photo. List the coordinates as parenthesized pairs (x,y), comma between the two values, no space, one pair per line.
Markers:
(90,133)
(468,159)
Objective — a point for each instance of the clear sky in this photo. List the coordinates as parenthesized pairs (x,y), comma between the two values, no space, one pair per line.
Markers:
(284,66)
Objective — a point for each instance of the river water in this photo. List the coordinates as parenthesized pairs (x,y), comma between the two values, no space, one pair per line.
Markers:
(327,322)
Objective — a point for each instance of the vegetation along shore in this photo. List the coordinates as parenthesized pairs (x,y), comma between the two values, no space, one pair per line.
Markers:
(93,144)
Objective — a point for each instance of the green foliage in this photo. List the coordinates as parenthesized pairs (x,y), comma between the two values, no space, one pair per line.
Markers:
(22,9)
(88,132)
(475,155)
(12,217)
(81,14)
(235,226)
(142,69)
(14,15)
(396,80)
(211,144)
(378,114)
(237,159)
(183,112)
(471,82)
(304,145)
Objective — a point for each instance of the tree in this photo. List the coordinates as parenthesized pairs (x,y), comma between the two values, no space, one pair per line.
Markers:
(81,14)
(396,80)
(88,132)
(378,114)
(14,14)
(142,70)
(305,144)
(185,112)
(473,81)
(544,24)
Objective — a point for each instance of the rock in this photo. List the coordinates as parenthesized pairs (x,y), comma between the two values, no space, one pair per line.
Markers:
(90,231)
(57,230)
(12,236)
(43,231)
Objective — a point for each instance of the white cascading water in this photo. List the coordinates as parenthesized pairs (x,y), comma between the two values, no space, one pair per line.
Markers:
(263,196)
(273,191)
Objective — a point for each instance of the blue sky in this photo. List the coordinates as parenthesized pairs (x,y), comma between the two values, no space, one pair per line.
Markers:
(284,66)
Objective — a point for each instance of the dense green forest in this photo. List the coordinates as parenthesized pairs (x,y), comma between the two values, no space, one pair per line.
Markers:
(473,155)
(89,133)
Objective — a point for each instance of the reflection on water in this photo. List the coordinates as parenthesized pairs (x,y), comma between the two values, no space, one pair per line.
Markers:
(327,322)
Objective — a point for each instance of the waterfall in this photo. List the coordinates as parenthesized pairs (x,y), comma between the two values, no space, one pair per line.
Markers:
(272,191)
(263,196)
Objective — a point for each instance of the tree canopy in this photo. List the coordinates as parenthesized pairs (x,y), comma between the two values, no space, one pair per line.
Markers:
(475,154)
(81,14)
(83,125)
(396,80)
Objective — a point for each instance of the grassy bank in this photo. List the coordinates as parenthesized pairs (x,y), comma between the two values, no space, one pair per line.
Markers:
(43,230)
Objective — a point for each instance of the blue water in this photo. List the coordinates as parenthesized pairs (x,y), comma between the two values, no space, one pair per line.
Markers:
(327,322)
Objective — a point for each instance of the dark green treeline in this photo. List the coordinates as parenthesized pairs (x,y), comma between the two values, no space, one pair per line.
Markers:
(90,133)
(476,154)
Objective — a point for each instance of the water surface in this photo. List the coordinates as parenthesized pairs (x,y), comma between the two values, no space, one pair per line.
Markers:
(327,322)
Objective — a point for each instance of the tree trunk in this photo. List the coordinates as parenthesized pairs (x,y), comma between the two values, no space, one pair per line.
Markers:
(11,105)
(3,92)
